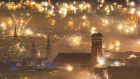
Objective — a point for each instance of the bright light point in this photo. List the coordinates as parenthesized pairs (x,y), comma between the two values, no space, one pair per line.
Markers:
(111,46)
(101,61)
(29,32)
(117,43)
(3,24)
(120,27)
(32,3)
(132,11)
(138,42)
(132,4)
(93,30)
(117,63)
(127,31)
(84,17)
(138,13)
(132,56)
(105,22)
(69,68)
(70,23)
(76,40)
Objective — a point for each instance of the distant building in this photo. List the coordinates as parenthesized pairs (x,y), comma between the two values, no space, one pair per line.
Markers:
(33,61)
(124,65)
(122,72)
(20,50)
(81,60)
(128,58)
(38,63)
(131,59)
(19,47)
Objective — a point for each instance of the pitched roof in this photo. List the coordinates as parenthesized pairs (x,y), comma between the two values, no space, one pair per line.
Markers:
(79,58)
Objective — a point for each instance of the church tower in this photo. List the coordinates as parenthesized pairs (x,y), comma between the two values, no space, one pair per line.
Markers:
(33,51)
(48,50)
(96,49)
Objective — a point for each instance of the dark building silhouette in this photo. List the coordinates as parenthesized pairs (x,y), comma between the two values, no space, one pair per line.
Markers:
(88,61)
(82,60)
(48,50)
(19,47)
(33,50)
(77,60)
(122,72)
(15,33)
(35,62)
(96,49)
(27,58)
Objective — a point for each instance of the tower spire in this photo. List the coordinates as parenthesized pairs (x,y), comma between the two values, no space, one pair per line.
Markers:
(15,33)
(48,43)
(48,50)
(33,50)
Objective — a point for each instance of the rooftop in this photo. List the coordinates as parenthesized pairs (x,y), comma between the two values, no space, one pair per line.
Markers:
(79,58)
